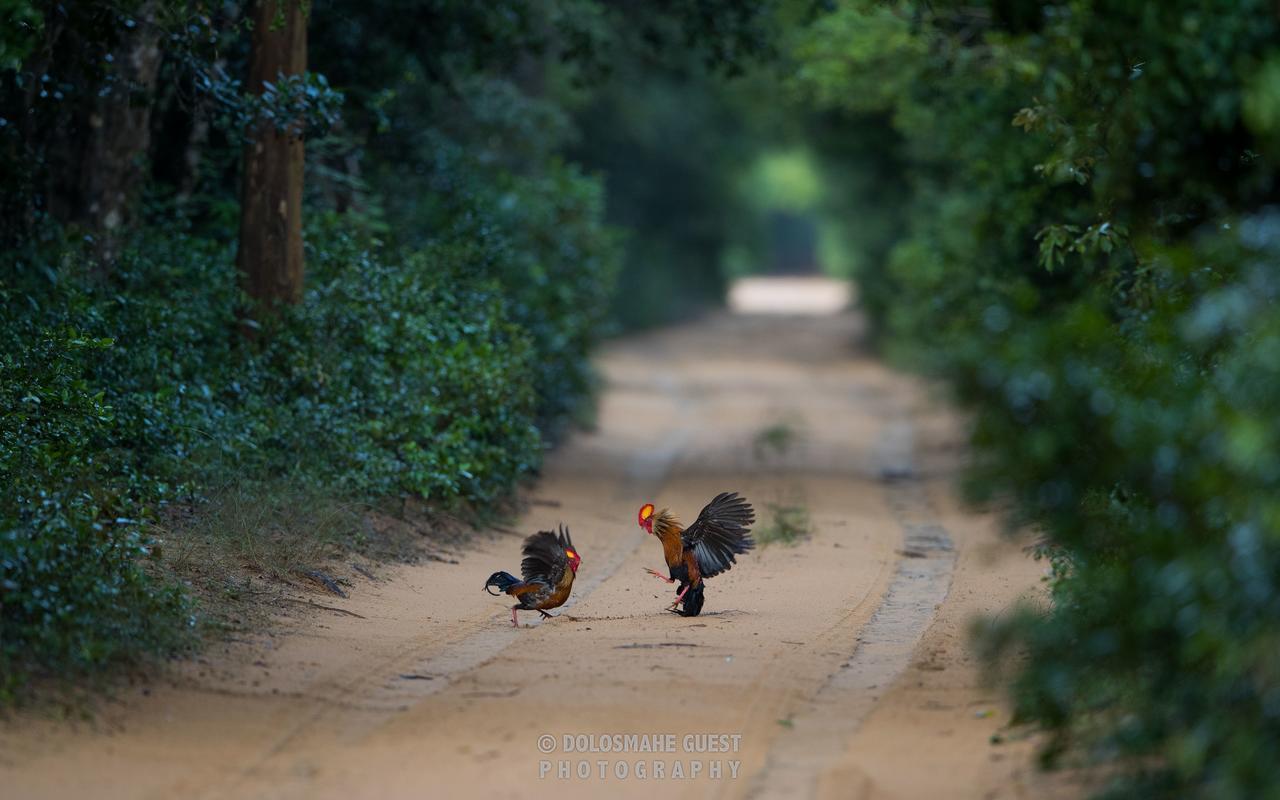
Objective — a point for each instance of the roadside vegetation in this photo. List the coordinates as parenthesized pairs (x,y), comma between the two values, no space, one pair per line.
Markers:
(268,267)
(1088,238)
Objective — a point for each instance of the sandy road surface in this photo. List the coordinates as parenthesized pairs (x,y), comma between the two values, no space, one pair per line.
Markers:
(840,662)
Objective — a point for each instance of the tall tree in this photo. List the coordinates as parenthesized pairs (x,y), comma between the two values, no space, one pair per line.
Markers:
(119,131)
(270,252)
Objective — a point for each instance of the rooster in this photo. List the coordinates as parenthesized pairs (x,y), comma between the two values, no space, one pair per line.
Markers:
(550,564)
(703,550)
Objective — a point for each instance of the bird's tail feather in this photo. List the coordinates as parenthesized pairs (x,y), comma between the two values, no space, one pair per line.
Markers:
(502,581)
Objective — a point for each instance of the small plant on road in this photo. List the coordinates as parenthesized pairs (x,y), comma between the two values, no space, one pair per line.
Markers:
(776,439)
(787,524)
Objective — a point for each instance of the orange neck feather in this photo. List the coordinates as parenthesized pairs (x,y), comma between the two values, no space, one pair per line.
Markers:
(668,531)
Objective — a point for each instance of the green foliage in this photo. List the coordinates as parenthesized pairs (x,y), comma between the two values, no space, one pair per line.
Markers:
(420,383)
(1090,262)
(559,279)
(19,33)
(787,524)
(296,105)
(459,269)
(398,374)
(73,592)
(491,177)
(673,152)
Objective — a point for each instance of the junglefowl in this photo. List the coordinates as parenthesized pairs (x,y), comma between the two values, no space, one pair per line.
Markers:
(549,567)
(704,549)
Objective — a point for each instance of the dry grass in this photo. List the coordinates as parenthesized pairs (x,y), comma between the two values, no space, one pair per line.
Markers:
(270,532)
(243,548)
(245,551)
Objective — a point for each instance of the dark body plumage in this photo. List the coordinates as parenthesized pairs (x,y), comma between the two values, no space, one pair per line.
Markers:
(548,569)
(707,547)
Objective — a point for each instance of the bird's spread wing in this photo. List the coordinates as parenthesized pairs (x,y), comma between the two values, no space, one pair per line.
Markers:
(722,531)
(544,559)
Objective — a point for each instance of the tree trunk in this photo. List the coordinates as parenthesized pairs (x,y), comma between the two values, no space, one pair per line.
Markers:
(270,252)
(119,134)
(202,112)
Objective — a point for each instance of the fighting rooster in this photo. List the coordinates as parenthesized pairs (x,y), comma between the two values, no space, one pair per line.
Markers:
(549,567)
(704,549)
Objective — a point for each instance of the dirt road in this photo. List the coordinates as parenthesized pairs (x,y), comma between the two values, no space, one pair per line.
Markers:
(839,663)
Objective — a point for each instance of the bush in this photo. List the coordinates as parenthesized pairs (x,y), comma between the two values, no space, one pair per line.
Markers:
(1162,517)
(400,373)
(73,592)
(531,223)
(1091,265)
(559,278)
(409,377)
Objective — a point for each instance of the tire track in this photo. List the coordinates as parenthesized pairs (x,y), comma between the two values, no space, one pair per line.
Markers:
(882,650)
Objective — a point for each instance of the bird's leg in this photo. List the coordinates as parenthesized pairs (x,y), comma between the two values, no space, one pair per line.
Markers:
(513,616)
(659,575)
(680,597)
(545,615)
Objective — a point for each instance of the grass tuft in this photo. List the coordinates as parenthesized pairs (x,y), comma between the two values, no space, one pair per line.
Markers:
(787,524)
(247,544)
(777,439)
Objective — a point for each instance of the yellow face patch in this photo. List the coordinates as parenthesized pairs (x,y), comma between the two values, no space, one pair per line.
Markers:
(646,511)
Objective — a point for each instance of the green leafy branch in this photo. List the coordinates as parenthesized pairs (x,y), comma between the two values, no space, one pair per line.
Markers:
(1058,241)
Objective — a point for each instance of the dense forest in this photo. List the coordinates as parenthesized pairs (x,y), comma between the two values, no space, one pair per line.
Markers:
(363,250)
(187,318)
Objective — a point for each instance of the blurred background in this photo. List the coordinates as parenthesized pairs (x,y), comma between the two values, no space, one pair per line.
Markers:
(324,245)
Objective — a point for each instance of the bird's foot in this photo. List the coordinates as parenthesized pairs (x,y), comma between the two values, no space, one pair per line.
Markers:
(545,615)
(659,575)
(680,597)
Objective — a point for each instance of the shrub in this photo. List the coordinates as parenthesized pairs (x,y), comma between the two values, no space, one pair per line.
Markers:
(399,373)
(73,592)
(531,223)
(1090,264)
(409,377)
